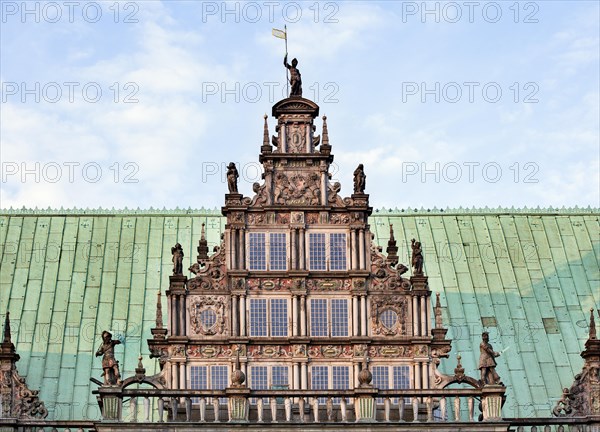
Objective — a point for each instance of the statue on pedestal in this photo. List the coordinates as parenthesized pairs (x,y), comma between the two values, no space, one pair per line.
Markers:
(487,362)
(232,178)
(295,78)
(177,252)
(109,364)
(360,179)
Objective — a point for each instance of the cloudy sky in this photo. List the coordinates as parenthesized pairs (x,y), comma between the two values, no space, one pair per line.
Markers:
(447,104)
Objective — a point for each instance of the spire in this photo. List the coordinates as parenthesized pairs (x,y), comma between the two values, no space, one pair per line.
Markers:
(159,317)
(438,312)
(7,338)
(266,133)
(325,132)
(392,249)
(203,245)
(592,324)
(266,146)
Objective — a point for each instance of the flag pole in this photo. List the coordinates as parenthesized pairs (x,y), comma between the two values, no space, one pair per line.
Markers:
(287,80)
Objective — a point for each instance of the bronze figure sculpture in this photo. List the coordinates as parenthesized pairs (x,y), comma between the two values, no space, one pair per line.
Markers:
(487,362)
(177,252)
(417,257)
(295,77)
(360,179)
(110,365)
(232,178)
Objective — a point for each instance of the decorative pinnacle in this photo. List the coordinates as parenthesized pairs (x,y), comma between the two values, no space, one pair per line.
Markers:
(203,246)
(365,376)
(392,249)
(460,370)
(159,317)
(266,133)
(592,325)
(237,377)
(325,132)
(140,370)
(438,312)
(7,338)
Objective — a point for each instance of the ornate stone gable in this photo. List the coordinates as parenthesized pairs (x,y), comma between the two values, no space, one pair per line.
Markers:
(297,281)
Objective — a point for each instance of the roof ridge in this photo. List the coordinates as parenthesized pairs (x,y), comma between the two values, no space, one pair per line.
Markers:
(216,211)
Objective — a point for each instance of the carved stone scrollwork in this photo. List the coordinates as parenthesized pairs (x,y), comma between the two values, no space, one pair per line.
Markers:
(208,315)
(260,198)
(386,277)
(389,315)
(297,188)
(212,275)
(26,403)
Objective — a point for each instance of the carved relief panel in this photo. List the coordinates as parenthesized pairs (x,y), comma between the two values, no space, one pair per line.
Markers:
(209,315)
(389,315)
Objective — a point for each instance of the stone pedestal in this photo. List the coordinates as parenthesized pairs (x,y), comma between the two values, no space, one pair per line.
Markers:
(237,404)
(491,402)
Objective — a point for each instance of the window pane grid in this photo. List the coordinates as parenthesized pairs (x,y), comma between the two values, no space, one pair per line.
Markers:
(317,251)
(258,251)
(401,379)
(279,317)
(279,376)
(337,247)
(318,317)
(381,379)
(278,251)
(198,380)
(258,317)
(341,379)
(320,380)
(339,317)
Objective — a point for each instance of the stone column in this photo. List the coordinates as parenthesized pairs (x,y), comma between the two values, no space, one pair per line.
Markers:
(423,317)
(417,369)
(353,249)
(415,315)
(294,315)
(182,326)
(355,328)
(229,254)
(296,376)
(363,315)
(182,380)
(242,315)
(175,375)
(302,253)
(323,187)
(172,315)
(241,260)
(304,376)
(425,375)
(303,315)
(356,372)
(361,248)
(294,262)
(235,314)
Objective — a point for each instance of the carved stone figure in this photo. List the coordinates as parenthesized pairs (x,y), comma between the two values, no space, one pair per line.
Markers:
(360,180)
(563,406)
(177,252)
(232,178)
(109,364)
(295,77)
(487,362)
(417,257)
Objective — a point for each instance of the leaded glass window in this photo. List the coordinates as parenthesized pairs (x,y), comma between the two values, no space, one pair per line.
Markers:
(267,252)
(269,318)
(329,317)
(337,245)
(317,255)
(258,317)
(258,250)
(318,317)
(277,251)
(339,317)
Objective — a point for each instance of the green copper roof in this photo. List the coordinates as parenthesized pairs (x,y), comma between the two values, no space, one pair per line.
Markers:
(528,276)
